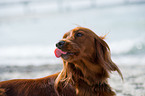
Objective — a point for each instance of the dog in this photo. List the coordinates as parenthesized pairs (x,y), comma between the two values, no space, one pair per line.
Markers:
(86,67)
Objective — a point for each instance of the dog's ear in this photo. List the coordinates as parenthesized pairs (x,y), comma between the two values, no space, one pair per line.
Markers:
(103,57)
(61,76)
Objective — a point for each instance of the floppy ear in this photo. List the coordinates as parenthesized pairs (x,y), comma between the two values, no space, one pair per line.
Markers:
(103,56)
(61,76)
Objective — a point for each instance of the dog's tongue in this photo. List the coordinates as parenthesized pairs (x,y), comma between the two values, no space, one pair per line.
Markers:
(59,52)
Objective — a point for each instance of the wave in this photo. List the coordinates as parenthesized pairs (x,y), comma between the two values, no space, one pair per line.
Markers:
(128,47)
(28,55)
(127,50)
(26,51)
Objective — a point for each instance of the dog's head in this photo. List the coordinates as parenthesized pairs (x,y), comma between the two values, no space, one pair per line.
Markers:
(77,44)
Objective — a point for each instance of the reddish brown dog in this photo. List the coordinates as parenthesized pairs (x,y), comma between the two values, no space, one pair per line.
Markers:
(87,64)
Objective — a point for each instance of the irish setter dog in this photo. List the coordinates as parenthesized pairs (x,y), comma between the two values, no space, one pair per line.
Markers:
(86,67)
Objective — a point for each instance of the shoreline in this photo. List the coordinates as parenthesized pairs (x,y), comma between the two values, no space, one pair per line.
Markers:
(132,85)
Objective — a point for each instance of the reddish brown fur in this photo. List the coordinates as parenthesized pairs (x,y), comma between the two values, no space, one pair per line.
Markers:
(33,87)
(84,74)
(2,92)
(88,69)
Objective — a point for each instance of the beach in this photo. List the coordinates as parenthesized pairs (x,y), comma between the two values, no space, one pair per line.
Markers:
(27,39)
(132,85)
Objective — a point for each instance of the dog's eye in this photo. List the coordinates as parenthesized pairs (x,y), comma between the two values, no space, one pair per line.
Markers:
(79,35)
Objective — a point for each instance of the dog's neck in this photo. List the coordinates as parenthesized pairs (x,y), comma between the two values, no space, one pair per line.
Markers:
(89,79)
(88,71)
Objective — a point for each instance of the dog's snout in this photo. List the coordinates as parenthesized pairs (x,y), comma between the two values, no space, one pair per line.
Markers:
(60,44)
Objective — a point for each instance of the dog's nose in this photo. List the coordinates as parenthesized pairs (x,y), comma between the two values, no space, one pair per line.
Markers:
(60,44)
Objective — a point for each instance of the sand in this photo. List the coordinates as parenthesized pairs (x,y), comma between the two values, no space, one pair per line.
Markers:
(132,85)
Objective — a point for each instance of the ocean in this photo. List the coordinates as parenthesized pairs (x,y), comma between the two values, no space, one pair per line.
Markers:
(30,39)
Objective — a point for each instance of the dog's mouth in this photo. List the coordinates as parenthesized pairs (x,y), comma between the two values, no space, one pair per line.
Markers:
(64,55)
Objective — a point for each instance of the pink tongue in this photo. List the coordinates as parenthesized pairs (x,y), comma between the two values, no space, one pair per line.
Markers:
(58,52)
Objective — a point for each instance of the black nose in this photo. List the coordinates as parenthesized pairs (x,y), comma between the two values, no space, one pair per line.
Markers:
(60,44)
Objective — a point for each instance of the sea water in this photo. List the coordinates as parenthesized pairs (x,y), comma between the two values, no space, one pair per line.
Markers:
(31,39)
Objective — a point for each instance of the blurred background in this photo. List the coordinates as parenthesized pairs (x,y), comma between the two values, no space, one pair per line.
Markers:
(29,30)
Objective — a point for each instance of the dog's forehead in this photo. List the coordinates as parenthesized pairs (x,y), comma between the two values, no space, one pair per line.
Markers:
(73,32)
(85,31)
(77,30)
